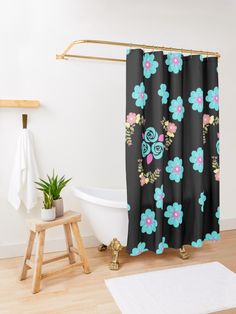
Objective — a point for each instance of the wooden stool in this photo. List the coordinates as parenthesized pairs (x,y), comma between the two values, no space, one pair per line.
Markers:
(37,226)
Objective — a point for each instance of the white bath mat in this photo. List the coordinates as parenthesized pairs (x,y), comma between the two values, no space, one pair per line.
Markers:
(196,289)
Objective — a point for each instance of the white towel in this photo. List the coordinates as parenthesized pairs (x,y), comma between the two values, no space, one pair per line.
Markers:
(24,173)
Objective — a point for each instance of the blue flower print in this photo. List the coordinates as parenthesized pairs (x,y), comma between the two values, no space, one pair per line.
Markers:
(128,51)
(175,214)
(162,92)
(175,169)
(140,95)
(148,221)
(139,249)
(196,159)
(149,65)
(218,147)
(150,144)
(158,150)
(177,109)
(198,243)
(159,196)
(145,149)
(201,200)
(196,99)
(214,236)
(150,135)
(217,214)
(213,98)
(201,58)
(174,62)
(128,207)
(161,246)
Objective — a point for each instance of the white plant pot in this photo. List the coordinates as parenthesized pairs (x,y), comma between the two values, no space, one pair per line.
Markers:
(48,214)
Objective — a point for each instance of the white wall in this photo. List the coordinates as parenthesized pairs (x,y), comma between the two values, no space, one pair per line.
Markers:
(79,129)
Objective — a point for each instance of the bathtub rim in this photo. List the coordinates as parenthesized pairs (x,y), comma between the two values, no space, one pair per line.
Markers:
(99,200)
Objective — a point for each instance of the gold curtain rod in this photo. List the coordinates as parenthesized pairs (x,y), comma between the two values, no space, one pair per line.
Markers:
(66,55)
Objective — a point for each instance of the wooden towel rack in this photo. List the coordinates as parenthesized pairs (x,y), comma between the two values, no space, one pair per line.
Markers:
(19,103)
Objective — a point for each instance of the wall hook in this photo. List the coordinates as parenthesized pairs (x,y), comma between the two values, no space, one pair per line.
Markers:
(24,121)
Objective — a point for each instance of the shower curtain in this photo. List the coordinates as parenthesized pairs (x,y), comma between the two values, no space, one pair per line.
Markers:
(172,150)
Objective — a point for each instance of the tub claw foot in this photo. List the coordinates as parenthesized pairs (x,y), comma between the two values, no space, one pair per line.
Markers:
(115,247)
(182,253)
(102,247)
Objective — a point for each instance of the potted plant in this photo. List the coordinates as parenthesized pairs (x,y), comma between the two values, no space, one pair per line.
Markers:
(54,185)
(48,212)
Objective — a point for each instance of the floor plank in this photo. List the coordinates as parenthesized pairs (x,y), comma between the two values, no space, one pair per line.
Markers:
(75,292)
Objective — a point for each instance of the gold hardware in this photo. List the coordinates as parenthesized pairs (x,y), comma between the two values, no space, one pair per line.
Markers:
(183,254)
(102,247)
(91,58)
(66,54)
(115,247)
(24,121)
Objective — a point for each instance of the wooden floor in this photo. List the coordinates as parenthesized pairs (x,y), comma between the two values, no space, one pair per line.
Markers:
(75,292)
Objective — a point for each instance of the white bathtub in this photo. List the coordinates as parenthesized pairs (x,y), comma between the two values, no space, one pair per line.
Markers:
(106,210)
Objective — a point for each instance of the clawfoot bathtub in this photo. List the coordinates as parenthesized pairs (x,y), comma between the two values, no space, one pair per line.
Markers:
(106,210)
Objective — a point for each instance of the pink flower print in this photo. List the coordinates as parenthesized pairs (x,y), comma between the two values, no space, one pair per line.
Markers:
(161,138)
(142,180)
(217,174)
(171,127)
(149,158)
(206,119)
(175,60)
(148,221)
(177,169)
(200,159)
(131,118)
(176,214)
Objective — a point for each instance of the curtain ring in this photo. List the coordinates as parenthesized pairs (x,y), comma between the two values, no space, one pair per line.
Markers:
(164,51)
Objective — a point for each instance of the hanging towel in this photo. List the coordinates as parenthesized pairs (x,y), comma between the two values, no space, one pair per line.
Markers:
(24,173)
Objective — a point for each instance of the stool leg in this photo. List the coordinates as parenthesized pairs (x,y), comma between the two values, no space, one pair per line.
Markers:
(27,255)
(81,248)
(38,262)
(69,243)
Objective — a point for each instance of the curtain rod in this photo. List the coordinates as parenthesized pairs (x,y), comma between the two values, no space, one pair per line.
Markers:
(66,55)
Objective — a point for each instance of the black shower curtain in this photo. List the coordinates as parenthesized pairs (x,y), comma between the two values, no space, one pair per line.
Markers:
(172,150)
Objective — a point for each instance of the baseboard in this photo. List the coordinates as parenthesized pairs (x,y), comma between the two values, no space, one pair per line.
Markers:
(51,245)
(227,224)
(55,245)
